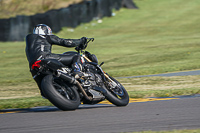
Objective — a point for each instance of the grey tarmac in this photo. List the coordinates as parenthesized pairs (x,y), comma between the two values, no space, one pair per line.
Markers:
(181,113)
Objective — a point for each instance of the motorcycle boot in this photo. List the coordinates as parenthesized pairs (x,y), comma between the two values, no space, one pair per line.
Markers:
(77,70)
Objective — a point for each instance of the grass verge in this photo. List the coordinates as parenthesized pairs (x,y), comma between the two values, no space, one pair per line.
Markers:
(12,8)
(162,86)
(137,88)
(23,103)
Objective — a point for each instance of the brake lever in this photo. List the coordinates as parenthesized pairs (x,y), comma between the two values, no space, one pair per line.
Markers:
(90,39)
(85,45)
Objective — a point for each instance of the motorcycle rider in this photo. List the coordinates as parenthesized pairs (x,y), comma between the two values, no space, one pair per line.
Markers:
(39,45)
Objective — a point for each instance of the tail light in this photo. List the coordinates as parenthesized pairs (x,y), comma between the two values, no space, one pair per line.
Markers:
(36,64)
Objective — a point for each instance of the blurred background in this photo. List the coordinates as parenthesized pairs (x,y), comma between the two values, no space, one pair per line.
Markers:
(17,17)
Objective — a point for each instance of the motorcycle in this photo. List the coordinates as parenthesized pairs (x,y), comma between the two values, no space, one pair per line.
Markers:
(67,92)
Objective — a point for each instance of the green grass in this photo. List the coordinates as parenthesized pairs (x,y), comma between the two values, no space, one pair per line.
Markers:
(161,36)
(27,95)
(12,8)
(161,86)
(24,103)
(156,38)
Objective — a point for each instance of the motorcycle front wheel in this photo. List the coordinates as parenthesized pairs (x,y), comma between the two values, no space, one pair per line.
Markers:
(116,93)
(62,95)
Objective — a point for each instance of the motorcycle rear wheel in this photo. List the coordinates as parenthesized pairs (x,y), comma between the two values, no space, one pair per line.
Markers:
(117,95)
(60,94)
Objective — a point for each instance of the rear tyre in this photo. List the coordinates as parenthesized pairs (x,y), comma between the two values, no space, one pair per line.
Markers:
(60,94)
(116,94)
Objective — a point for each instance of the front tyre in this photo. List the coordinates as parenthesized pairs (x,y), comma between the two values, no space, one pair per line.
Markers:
(116,93)
(60,94)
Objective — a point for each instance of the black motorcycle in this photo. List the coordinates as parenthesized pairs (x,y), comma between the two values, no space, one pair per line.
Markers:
(67,92)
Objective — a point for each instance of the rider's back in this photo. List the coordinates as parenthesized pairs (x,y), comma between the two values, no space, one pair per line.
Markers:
(36,46)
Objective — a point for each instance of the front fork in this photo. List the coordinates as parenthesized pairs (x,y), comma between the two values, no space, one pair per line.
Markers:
(105,74)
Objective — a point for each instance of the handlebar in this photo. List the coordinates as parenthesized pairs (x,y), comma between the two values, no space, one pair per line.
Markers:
(84,45)
(89,39)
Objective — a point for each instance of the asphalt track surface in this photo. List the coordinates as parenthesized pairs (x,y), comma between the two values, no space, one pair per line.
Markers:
(151,114)
(183,73)
(180,113)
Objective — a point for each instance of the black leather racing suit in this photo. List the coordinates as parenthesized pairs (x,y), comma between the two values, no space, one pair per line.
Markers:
(39,47)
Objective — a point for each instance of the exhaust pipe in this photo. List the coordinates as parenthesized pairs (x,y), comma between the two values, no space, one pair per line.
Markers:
(83,91)
(66,77)
(72,80)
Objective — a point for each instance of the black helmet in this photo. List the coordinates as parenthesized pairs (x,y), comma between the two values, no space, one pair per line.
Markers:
(42,29)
